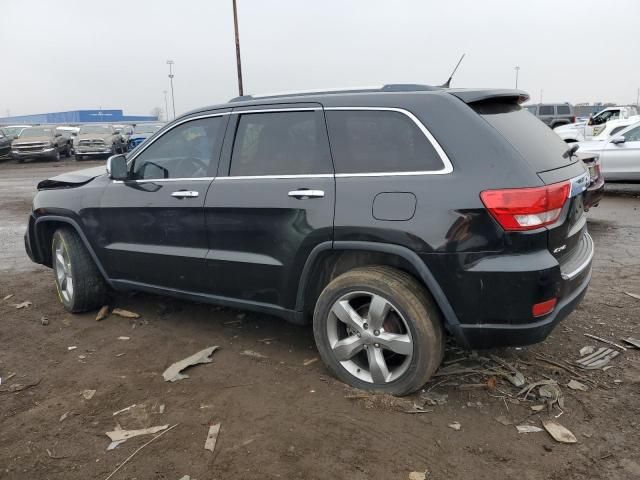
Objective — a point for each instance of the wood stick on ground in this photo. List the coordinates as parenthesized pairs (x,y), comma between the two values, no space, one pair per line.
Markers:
(134,453)
(564,367)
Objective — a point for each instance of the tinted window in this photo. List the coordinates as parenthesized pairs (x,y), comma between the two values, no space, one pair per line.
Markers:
(546,110)
(379,141)
(605,117)
(187,151)
(537,143)
(563,110)
(282,143)
(532,108)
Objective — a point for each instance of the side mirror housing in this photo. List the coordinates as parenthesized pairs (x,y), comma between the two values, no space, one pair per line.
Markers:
(117,168)
(618,140)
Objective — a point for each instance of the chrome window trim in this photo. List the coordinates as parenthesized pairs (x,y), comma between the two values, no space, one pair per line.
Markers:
(447,168)
(163,180)
(447,165)
(255,177)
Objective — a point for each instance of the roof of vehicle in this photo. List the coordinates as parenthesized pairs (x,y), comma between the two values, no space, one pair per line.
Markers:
(360,95)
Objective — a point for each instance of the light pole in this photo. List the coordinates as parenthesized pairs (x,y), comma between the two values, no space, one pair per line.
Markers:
(238,63)
(517,71)
(173,100)
(166,106)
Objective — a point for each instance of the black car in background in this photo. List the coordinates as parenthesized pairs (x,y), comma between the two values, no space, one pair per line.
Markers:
(364,212)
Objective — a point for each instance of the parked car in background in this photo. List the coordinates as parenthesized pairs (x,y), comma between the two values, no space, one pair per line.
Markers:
(619,154)
(595,190)
(553,114)
(141,132)
(575,132)
(98,140)
(125,133)
(5,144)
(14,131)
(41,142)
(362,212)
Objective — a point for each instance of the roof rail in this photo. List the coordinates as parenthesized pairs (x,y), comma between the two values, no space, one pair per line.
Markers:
(393,87)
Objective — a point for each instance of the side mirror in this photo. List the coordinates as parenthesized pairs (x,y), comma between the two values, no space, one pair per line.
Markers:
(618,140)
(117,167)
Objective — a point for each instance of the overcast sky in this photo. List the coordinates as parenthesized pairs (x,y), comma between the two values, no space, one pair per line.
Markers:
(86,54)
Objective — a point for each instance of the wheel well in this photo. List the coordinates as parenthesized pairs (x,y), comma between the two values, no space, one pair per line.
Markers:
(333,263)
(44,234)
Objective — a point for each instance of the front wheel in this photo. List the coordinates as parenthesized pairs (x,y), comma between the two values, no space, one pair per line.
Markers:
(79,283)
(377,328)
(56,156)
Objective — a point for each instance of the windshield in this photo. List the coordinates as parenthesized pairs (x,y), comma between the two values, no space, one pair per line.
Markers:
(10,131)
(146,128)
(102,129)
(37,132)
(540,146)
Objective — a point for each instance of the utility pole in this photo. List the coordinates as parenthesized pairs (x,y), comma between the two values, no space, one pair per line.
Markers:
(173,100)
(238,63)
(541,95)
(166,106)
(637,99)
(517,71)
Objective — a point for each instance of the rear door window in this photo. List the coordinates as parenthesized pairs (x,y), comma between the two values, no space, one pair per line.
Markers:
(280,143)
(376,141)
(546,110)
(563,110)
(540,146)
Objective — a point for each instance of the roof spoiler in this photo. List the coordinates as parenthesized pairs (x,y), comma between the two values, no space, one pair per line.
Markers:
(492,95)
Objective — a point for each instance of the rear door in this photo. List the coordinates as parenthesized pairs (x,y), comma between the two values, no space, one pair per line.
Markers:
(271,204)
(621,161)
(152,228)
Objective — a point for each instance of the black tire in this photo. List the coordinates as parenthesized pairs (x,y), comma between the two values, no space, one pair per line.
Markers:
(89,289)
(411,300)
(56,156)
(79,158)
(67,151)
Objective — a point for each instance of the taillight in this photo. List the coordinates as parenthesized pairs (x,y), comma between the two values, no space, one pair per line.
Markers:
(517,209)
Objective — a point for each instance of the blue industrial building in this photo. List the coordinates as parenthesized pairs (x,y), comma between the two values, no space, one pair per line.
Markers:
(78,116)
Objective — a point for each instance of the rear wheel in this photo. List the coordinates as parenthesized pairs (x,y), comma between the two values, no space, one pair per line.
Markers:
(67,151)
(378,329)
(78,281)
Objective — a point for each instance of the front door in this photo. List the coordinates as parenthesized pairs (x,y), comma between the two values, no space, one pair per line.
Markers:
(621,161)
(152,226)
(271,204)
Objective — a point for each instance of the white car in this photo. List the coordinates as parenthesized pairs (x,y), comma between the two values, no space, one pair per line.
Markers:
(619,154)
(600,126)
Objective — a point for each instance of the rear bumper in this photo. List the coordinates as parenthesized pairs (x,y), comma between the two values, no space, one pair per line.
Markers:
(594,193)
(502,335)
(493,296)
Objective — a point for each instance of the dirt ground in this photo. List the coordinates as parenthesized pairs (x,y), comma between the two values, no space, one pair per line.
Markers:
(284,416)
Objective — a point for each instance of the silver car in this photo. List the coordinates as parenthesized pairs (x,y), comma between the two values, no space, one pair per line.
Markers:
(619,154)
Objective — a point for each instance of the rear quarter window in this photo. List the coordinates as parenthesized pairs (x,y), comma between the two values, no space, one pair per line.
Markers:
(377,141)
(537,143)
(563,110)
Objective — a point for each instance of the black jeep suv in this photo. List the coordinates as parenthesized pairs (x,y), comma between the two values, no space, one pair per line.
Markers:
(390,217)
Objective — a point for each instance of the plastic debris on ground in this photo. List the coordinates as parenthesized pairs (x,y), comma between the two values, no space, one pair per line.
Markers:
(119,436)
(251,353)
(455,425)
(212,437)
(102,313)
(558,432)
(528,429)
(597,359)
(88,394)
(575,385)
(173,373)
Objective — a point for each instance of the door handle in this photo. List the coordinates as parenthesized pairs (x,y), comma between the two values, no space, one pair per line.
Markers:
(185,194)
(305,193)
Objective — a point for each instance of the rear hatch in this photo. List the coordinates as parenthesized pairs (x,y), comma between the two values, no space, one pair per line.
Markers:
(552,160)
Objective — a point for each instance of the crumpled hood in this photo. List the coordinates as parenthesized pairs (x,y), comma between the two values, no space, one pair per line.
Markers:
(73,179)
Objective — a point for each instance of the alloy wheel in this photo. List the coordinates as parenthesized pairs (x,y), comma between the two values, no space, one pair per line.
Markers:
(64,278)
(369,337)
